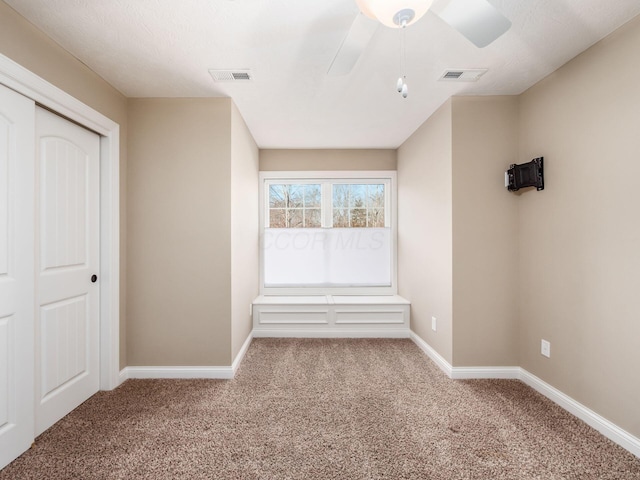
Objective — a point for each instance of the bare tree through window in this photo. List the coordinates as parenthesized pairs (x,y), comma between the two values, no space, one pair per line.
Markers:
(295,205)
(358,205)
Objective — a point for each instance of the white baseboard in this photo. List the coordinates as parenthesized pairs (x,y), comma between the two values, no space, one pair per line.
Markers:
(462,373)
(331,333)
(240,356)
(432,354)
(188,372)
(179,372)
(591,418)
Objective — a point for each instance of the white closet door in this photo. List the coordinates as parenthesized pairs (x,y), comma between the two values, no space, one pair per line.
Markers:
(67,297)
(16,274)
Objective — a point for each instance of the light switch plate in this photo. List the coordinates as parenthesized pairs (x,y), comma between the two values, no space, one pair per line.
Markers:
(545,348)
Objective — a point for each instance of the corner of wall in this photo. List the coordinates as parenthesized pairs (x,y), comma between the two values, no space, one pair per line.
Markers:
(245,237)
(425,229)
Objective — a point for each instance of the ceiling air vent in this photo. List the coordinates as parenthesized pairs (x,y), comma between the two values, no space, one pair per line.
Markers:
(241,76)
(460,75)
(231,75)
(450,74)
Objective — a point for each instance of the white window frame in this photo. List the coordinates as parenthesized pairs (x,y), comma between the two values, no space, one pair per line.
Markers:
(387,177)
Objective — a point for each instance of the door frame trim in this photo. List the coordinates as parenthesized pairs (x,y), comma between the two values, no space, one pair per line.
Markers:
(27,83)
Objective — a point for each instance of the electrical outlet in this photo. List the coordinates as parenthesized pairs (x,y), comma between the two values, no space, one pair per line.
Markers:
(545,348)
(250,309)
(434,323)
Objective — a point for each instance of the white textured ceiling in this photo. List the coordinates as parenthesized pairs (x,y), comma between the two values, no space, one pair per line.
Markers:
(164,48)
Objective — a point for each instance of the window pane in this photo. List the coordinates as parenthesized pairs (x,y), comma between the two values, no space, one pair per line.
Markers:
(357,196)
(365,205)
(358,217)
(375,197)
(375,217)
(277,218)
(296,193)
(340,218)
(312,218)
(340,196)
(277,196)
(312,196)
(295,218)
(295,205)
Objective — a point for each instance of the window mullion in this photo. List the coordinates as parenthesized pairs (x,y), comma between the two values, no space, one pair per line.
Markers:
(387,204)
(266,211)
(327,205)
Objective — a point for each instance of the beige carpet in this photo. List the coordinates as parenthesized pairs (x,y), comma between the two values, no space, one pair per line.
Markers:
(323,409)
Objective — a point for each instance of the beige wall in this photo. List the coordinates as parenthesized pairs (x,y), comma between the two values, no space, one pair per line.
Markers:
(579,238)
(304,160)
(485,232)
(245,236)
(179,229)
(561,264)
(458,231)
(425,229)
(28,46)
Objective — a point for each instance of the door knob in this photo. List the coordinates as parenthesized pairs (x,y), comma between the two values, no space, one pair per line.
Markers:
(94,278)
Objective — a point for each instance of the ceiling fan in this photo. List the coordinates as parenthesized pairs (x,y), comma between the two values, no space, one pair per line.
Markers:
(478,20)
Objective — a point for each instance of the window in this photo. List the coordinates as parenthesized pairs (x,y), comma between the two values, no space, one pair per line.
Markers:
(327,232)
(294,206)
(358,205)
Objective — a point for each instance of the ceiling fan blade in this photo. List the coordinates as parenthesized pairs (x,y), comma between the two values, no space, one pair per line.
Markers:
(357,39)
(477,20)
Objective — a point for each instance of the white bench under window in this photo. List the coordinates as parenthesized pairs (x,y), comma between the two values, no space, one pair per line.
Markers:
(331,316)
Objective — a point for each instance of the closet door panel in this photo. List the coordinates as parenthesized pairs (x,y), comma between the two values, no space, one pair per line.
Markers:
(67,293)
(17,161)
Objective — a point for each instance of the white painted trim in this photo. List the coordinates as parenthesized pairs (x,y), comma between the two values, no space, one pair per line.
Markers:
(331,333)
(605,427)
(32,86)
(461,373)
(431,353)
(123,376)
(330,316)
(240,356)
(591,418)
(110,259)
(179,372)
(226,373)
(27,83)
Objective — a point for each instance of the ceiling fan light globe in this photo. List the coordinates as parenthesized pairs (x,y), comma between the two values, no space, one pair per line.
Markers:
(386,11)
(365,8)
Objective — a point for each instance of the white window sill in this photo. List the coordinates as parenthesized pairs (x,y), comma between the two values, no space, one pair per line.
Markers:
(330,300)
